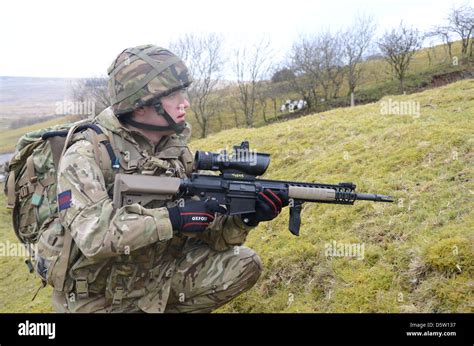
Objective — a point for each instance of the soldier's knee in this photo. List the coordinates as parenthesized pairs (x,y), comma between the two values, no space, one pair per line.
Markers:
(251,264)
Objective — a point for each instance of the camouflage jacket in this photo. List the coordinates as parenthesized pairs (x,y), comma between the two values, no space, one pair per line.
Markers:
(126,253)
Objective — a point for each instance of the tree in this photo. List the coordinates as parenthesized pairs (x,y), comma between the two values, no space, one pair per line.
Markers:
(93,90)
(251,67)
(398,46)
(444,32)
(355,43)
(332,65)
(305,61)
(317,63)
(461,22)
(204,57)
(283,75)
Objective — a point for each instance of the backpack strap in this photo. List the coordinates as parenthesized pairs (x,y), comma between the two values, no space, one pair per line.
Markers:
(57,145)
(100,137)
(63,262)
(10,185)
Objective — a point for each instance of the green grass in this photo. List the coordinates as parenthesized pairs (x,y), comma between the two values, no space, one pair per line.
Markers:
(425,162)
(418,250)
(376,81)
(17,286)
(9,138)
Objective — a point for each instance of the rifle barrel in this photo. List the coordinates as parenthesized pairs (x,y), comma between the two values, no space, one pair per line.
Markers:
(374,197)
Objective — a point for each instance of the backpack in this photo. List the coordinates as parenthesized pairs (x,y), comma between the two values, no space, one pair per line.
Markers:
(31,190)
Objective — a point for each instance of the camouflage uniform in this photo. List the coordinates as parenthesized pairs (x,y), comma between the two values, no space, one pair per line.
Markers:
(129,259)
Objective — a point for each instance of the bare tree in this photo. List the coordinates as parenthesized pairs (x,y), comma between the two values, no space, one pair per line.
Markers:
(91,90)
(275,90)
(262,98)
(100,93)
(250,67)
(332,64)
(356,41)
(445,34)
(461,22)
(398,46)
(204,58)
(305,62)
(317,64)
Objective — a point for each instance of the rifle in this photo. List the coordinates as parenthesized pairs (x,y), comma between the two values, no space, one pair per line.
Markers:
(236,186)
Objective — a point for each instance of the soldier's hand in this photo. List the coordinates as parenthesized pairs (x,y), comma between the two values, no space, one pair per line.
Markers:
(267,207)
(195,216)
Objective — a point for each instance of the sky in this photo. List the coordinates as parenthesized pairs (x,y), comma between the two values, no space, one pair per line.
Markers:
(72,39)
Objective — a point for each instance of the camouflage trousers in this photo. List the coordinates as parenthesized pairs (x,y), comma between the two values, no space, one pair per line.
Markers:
(203,280)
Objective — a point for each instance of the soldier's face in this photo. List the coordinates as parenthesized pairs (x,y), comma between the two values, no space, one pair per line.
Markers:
(175,104)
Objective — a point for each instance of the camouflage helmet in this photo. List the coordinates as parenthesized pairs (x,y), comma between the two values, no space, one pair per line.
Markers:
(144,73)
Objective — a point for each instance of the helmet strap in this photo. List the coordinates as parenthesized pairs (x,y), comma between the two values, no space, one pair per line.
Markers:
(172,125)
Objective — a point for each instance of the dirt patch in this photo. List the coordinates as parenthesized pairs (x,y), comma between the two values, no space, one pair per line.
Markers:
(450,77)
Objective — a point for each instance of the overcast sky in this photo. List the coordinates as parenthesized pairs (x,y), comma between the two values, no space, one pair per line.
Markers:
(81,38)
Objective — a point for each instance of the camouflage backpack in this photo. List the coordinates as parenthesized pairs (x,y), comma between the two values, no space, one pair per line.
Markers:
(31,192)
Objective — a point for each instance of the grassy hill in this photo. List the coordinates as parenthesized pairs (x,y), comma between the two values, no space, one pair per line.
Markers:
(377,80)
(418,253)
(9,138)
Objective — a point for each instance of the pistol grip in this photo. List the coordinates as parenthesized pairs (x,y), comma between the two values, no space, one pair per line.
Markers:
(295,219)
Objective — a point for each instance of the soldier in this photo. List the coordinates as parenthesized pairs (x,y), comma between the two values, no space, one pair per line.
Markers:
(152,258)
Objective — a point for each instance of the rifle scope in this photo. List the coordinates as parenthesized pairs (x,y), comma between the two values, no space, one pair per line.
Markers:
(242,160)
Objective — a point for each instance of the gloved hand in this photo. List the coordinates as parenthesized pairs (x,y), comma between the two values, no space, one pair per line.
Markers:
(195,216)
(267,207)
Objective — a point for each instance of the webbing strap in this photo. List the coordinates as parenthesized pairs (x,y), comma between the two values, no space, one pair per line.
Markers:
(23,180)
(30,169)
(51,179)
(57,145)
(63,260)
(70,133)
(95,142)
(27,220)
(11,195)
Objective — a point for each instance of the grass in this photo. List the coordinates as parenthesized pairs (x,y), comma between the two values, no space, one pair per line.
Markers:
(9,137)
(413,247)
(418,251)
(376,81)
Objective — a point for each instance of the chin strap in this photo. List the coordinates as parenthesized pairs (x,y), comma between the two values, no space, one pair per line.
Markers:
(173,126)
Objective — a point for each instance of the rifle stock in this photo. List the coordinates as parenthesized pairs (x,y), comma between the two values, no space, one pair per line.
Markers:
(143,189)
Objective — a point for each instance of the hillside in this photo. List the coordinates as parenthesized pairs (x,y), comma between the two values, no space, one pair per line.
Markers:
(9,138)
(418,253)
(430,67)
(28,97)
(22,97)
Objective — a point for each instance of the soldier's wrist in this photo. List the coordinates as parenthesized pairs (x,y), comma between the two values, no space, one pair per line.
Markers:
(175,218)
(249,220)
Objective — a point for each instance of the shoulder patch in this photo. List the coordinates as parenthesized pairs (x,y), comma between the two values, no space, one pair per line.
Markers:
(64,200)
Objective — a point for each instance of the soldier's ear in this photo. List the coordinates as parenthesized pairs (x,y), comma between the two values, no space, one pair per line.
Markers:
(139,112)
